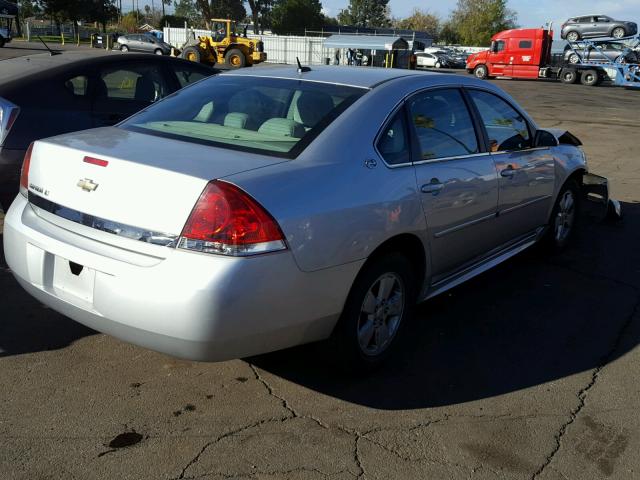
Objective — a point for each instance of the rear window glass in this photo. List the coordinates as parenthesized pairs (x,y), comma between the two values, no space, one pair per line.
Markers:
(278,116)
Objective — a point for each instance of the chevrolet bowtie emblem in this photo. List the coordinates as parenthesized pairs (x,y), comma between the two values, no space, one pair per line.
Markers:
(87,184)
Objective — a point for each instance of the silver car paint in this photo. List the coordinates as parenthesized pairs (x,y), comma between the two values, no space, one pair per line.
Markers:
(334,206)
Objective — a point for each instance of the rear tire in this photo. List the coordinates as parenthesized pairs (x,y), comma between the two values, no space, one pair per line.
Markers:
(438,65)
(379,305)
(124,48)
(590,78)
(564,218)
(2,42)
(573,36)
(569,76)
(618,32)
(234,58)
(481,72)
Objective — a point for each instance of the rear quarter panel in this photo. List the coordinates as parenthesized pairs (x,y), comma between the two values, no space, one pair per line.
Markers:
(334,210)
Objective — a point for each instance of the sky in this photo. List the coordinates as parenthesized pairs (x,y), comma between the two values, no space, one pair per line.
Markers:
(530,13)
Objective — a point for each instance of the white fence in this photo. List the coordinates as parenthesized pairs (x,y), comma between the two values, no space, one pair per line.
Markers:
(279,49)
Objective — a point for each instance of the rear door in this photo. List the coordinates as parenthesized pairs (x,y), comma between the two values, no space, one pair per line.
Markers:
(125,88)
(457,180)
(526,174)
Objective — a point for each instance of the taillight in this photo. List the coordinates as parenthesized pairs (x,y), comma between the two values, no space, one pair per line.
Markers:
(24,173)
(8,115)
(227,221)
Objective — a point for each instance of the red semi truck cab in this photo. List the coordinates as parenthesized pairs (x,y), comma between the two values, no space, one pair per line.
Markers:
(517,53)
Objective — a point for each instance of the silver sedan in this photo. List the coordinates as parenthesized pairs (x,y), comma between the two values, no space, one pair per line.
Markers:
(262,209)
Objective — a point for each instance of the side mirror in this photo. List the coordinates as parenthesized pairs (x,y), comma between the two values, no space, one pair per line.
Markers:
(544,139)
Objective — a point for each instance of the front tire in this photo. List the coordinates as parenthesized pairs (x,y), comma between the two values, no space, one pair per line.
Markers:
(192,54)
(574,58)
(2,42)
(618,32)
(438,65)
(481,72)
(564,218)
(158,51)
(379,304)
(124,48)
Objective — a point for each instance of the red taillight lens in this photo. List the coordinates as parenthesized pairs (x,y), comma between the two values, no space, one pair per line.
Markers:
(24,173)
(226,220)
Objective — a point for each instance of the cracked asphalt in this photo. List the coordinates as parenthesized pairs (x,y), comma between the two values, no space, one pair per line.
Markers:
(529,371)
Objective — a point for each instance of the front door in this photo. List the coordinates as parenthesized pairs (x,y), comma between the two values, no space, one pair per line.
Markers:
(457,181)
(526,174)
(498,58)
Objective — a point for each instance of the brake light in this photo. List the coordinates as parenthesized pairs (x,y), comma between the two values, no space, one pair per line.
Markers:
(227,221)
(24,172)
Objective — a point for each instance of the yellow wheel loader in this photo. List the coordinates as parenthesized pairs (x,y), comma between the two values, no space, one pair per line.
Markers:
(224,46)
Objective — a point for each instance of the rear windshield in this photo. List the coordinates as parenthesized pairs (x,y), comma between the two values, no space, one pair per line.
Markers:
(267,115)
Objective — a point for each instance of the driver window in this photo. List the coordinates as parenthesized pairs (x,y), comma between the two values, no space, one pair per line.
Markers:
(507,129)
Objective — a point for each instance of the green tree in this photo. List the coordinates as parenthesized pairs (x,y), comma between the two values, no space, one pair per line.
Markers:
(420,20)
(260,14)
(232,9)
(476,21)
(187,9)
(366,13)
(294,16)
(448,33)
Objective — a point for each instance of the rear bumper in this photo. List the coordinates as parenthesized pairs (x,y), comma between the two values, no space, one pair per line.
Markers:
(189,305)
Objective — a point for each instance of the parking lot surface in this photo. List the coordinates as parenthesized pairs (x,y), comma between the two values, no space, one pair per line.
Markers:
(529,371)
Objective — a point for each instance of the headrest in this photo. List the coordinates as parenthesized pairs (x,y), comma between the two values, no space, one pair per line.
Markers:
(282,127)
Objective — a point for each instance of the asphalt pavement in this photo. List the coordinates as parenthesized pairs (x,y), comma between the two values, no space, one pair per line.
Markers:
(529,371)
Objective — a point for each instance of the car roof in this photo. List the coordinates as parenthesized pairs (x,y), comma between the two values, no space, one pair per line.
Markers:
(362,77)
(43,64)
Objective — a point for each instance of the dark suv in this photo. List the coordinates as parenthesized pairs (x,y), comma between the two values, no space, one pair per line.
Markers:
(592,26)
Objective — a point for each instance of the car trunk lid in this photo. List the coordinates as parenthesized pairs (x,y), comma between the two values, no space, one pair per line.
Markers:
(121,182)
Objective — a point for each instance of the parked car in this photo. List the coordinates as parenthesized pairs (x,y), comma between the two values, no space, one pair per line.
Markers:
(42,95)
(591,26)
(142,42)
(261,209)
(604,52)
(435,60)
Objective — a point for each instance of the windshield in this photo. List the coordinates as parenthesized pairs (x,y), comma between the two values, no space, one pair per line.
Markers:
(278,116)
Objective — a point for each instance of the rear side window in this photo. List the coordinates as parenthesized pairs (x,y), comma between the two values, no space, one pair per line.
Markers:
(279,116)
(393,144)
(77,85)
(506,128)
(525,44)
(442,124)
(143,83)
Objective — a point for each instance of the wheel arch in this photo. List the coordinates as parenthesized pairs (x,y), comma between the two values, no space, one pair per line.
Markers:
(409,245)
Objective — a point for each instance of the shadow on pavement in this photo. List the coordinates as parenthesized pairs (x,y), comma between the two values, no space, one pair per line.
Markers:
(531,320)
(26,325)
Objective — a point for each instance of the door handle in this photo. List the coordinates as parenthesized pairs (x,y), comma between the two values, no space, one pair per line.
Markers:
(434,187)
(508,172)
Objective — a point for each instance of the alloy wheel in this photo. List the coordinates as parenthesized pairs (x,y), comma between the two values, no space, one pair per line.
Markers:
(381,314)
(565,217)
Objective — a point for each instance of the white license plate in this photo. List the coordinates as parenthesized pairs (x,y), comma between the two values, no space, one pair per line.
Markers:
(73,279)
